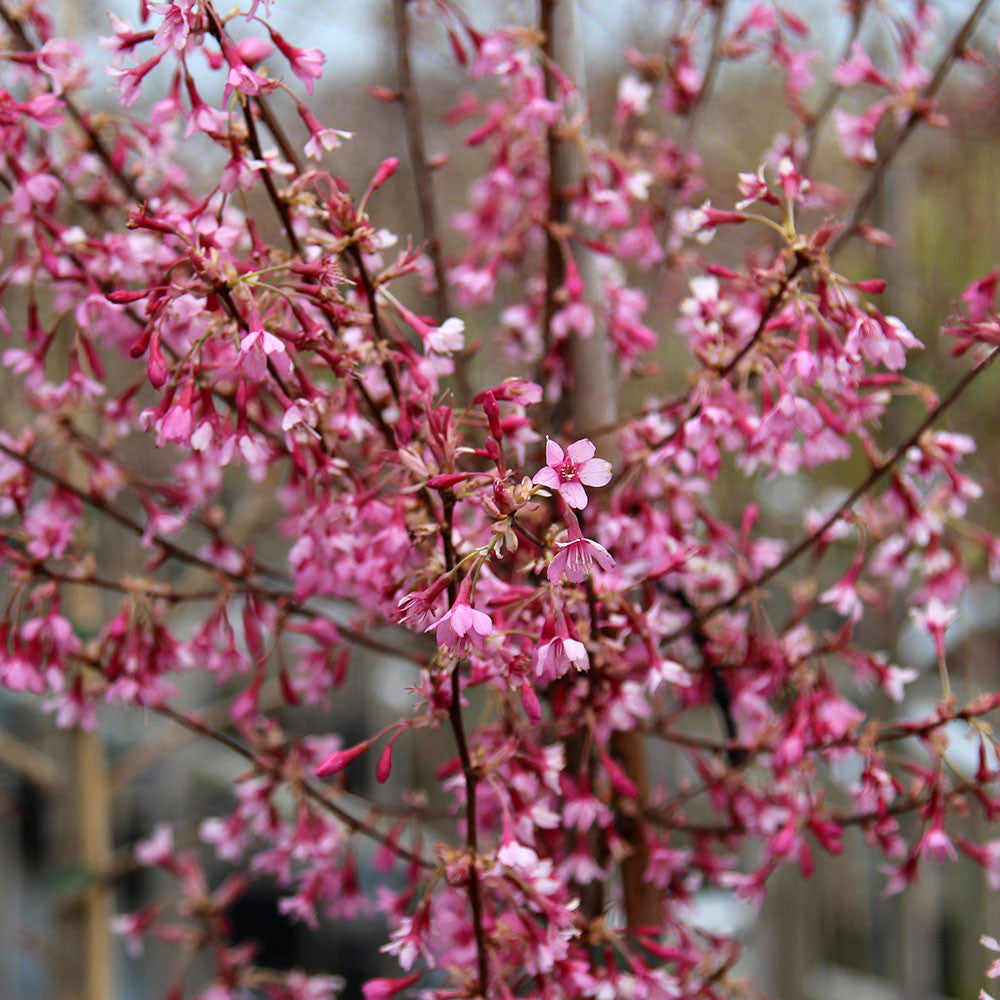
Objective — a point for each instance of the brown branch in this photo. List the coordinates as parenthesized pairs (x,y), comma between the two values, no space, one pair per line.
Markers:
(314,792)
(776,299)
(833,91)
(288,151)
(592,393)
(708,79)
(469,771)
(917,113)
(23,42)
(876,475)
(423,179)
(279,203)
(910,803)
(193,559)
(889,732)
(556,208)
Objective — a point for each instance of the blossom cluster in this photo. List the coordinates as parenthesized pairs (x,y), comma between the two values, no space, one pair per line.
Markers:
(567,590)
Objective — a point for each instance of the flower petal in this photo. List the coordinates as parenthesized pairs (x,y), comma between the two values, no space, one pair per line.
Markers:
(574,494)
(547,476)
(553,453)
(581,451)
(595,472)
(482,623)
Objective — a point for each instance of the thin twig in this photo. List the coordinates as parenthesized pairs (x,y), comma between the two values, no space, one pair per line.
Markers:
(468,770)
(708,79)
(312,791)
(875,476)
(916,115)
(192,558)
(833,91)
(424,181)
(102,152)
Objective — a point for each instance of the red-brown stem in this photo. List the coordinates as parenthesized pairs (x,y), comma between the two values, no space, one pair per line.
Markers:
(469,771)
(593,392)
(711,69)
(876,474)
(556,210)
(889,154)
(178,552)
(280,205)
(312,791)
(424,181)
(891,732)
(833,91)
(842,819)
(22,41)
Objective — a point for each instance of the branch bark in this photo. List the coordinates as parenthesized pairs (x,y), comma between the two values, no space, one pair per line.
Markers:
(593,399)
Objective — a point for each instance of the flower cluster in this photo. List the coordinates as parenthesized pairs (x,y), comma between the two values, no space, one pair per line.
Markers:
(334,471)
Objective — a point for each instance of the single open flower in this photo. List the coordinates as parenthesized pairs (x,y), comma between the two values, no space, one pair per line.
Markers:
(462,623)
(567,472)
(577,554)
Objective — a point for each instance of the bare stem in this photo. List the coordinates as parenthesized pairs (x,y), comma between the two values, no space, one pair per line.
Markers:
(889,154)
(97,144)
(556,209)
(468,769)
(833,91)
(876,475)
(312,791)
(423,180)
(193,559)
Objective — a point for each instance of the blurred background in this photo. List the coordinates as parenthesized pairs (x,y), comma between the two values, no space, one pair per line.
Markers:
(72,805)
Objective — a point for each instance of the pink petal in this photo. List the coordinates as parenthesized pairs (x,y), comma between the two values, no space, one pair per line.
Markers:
(554,573)
(595,472)
(576,653)
(581,451)
(462,618)
(547,476)
(601,554)
(482,623)
(574,494)
(553,453)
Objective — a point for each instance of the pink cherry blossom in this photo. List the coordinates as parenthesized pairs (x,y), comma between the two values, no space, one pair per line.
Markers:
(462,625)
(576,556)
(273,423)
(567,472)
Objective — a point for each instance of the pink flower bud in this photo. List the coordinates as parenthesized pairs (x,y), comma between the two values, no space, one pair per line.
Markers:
(531,705)
(492,410)
(339,759)
(254,50)
(383,989)
(620,781)
(386,169)
(123,296)
(384,766)
(156,367)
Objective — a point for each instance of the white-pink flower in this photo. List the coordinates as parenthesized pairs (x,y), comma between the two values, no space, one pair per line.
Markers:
(577,554)
(567,472)
(462,623)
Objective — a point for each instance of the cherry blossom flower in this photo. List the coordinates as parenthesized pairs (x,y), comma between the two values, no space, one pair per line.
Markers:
(577,555)
(158,849)
(462,624)
(307,64)
(935,619)
(567,472)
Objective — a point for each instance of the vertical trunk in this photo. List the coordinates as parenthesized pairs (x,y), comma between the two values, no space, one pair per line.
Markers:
(94,819)
(593,401)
